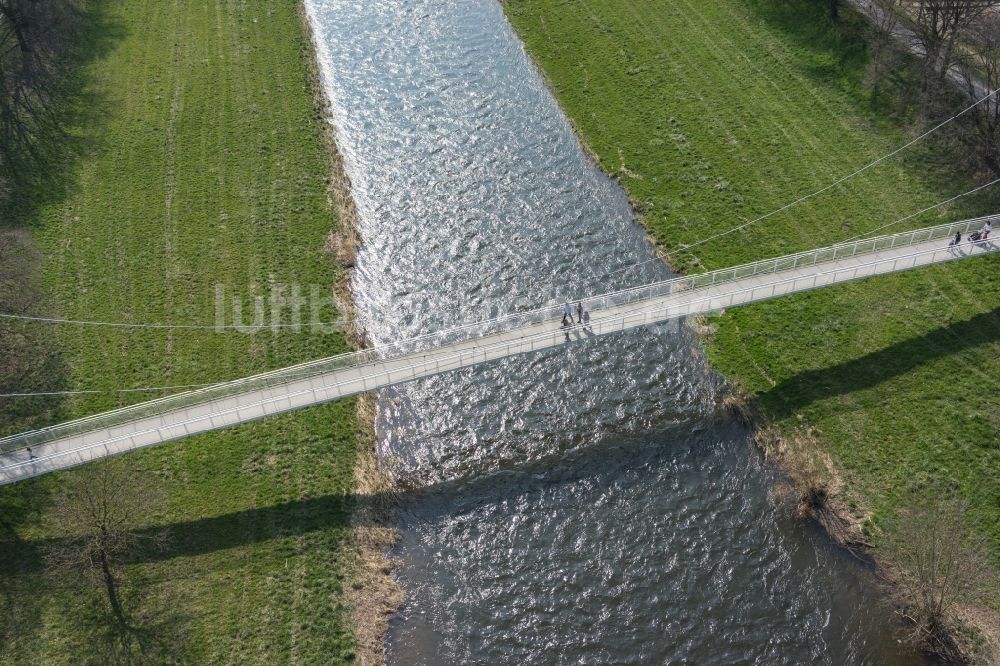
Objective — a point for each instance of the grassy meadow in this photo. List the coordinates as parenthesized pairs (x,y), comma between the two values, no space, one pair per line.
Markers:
(713,112)
(198,160)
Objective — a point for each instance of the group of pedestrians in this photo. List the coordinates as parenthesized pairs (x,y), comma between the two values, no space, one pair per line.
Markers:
(980,236)
(984,233)
(581,316)
(567,319)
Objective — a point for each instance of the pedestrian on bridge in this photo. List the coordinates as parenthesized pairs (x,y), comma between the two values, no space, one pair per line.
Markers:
(579,312)
(958,239)
(567,314)
(987,228)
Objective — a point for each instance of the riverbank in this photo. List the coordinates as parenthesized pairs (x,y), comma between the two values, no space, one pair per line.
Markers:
(373,594)
(204,166)
(713,113)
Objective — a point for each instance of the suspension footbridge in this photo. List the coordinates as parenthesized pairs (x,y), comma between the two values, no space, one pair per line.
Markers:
(230,403)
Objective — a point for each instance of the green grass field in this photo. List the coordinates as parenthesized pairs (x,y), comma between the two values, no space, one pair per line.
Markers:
(200,160)
(714,112)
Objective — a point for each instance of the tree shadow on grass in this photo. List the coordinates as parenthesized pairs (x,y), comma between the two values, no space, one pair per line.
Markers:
(41,174)
(140,639)
(27,590)
(20,613)
(44,171)
(20,559)
(837,50)
(156,627)
(98,637)
(791,395)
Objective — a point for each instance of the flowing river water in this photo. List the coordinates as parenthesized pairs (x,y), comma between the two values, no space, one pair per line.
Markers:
(590,504)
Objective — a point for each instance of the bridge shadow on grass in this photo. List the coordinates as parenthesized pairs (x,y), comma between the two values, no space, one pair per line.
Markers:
(202,536)
(791,395)
(250,526)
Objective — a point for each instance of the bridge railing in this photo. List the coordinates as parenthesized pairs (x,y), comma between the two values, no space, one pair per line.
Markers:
(787,262)
(379,374)
(278,378)
(518,320)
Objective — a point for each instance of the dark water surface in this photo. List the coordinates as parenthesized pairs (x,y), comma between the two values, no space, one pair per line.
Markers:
(585,505)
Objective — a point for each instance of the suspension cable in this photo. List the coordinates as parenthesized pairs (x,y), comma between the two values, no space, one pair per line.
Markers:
(688,248)
(222,327)
(921,212)
(101,391)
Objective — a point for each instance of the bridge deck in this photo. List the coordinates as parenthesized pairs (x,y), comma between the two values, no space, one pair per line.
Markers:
(213,414)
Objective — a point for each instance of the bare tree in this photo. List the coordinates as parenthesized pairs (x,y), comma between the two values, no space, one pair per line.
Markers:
(981,71)
(939,25)
(938,564)
(98,511)
(884,20)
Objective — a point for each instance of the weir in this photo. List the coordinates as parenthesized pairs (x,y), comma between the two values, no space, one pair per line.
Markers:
(231,403)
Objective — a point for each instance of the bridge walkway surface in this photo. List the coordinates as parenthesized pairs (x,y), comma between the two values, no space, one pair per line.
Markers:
(226,404)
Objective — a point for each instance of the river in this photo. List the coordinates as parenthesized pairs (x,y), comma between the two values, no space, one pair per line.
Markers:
(591,504)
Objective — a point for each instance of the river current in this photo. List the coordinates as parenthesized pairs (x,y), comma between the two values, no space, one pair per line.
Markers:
(590,504)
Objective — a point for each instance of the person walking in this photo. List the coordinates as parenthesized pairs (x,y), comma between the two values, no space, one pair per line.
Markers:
(987,228)
(958,239)
(31,456)
(567,314)
(579,312)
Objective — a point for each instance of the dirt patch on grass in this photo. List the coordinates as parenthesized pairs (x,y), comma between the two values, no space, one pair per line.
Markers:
(986,622)
(814,482)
